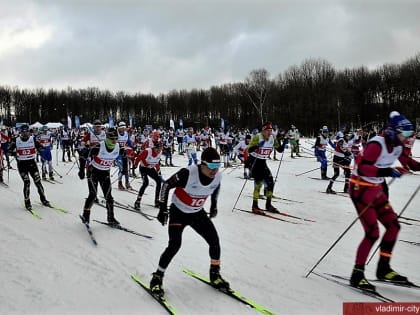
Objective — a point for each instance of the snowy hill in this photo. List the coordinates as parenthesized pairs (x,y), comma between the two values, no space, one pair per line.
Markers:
(50,266)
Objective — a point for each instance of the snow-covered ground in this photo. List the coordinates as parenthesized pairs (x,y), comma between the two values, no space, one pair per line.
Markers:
(50,266)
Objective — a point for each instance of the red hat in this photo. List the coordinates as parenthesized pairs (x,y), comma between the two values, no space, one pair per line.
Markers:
(267,125)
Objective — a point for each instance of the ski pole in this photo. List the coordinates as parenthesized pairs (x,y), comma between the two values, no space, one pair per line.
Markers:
(278,168)
(399,216)
(240,193)
(74,163)
(59,175)
(243,186)
(317,168)
(361,213)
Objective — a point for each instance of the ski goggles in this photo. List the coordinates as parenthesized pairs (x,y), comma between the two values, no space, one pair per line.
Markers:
(406,133)
(212,166)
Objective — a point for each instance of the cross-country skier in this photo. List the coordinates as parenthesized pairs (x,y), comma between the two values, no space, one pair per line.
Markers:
(193,185)
(103,156)
(149,160)
(25,147)
(369,193)
(259,149)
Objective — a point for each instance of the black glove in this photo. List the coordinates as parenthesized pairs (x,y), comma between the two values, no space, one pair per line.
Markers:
(81,173)
(348,157)
(163,213)
(213,212)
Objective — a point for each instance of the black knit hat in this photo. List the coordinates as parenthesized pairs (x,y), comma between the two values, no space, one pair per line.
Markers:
(112,133)
(210,155)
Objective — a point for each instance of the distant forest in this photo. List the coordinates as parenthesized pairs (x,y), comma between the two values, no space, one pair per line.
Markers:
(309,96)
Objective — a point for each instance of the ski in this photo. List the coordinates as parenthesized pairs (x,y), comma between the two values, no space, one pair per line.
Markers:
(278,198)
(161,299)
(4,184)
(48,181)
(340,280)
(89,230)
(293,216)
(55,208)
(34,213)
(337,193)
(285,199)
(267,216)
(327,179)
(410,242)
(56,181)
(127,207)
(230,292)
(408,284)
(409,219)
(132,209)
(122,228)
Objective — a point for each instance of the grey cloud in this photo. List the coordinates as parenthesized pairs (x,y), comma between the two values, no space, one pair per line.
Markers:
(156,46)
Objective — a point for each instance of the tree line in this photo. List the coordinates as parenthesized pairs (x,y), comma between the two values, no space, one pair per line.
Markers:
(308,95)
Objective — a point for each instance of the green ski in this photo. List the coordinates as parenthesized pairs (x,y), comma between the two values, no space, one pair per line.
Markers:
(232,293)
(161,299)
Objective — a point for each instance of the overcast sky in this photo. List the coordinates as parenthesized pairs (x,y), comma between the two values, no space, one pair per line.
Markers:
(159,45)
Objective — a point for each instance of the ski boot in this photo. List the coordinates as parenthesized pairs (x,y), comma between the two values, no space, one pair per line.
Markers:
(216,279)
(137,204)
(86,216)
(271,208)
(346,188)
(156,284)
(358,280)
(51,175)
(112,221)
(120,185)
(256,209)
(44,176)
(385,273)
(330,191)
(28,204)
(128,186)
(45,202)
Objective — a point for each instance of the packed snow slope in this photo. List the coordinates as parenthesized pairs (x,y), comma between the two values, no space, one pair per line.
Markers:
(50,266)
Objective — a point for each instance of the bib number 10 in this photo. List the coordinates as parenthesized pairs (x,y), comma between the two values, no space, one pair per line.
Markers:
(198,202)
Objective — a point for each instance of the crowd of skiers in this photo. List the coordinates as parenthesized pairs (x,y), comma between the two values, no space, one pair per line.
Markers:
(365,160)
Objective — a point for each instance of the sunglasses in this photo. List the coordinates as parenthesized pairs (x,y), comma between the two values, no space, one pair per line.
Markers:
(212,166)
(407,133)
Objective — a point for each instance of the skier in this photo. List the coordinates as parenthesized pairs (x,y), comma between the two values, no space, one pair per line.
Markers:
(369,193)
(193,185)
(5,138)
(259,149)
(102,158)
(240,151)
(190,144)
(125,143)
(149,160)
(90,140)
(320,148)
(1,165)
(25,147)
(65,138)
(342,158)
(45,140)
(293,135)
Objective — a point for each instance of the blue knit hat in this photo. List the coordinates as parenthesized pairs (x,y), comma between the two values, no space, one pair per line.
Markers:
(399,122)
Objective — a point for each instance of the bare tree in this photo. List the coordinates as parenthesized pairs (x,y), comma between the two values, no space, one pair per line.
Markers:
(256,88)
